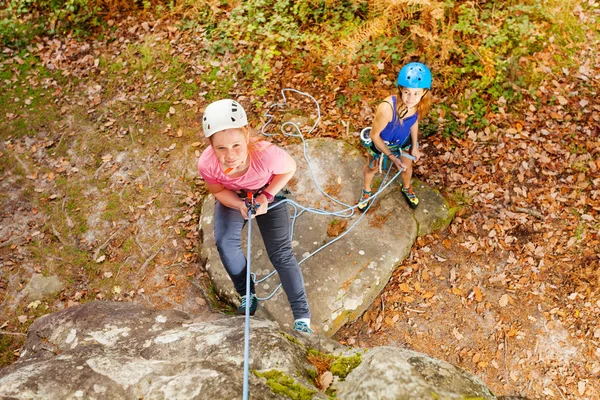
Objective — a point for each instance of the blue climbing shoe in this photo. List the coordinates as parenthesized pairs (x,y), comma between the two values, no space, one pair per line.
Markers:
(301,326)
(253,305)
(411,197)
(364,201)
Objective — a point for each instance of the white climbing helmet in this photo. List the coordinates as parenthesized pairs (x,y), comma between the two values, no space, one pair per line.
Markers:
(221,115)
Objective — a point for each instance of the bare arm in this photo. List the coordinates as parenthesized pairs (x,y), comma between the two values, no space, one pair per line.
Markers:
(228,198)
(277,183)
(414,131)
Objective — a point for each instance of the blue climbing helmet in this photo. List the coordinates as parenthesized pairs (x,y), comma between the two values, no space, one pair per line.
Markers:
(414,75)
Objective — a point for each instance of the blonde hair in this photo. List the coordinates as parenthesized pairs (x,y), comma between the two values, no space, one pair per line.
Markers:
(425,104)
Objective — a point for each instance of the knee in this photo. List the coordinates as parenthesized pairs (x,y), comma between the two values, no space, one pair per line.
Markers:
(367,170)
(226,243)
(282,257)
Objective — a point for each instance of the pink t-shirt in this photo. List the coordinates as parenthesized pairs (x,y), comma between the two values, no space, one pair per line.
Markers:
(266,161)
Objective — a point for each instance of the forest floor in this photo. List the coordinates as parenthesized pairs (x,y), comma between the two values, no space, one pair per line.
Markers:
(99,187)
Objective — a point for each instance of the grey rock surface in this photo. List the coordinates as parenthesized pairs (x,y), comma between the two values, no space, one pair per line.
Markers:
(408,375)
(109,350)
(40,286)
(343,279)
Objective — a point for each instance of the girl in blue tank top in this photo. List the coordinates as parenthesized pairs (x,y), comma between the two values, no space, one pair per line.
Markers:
(395,130)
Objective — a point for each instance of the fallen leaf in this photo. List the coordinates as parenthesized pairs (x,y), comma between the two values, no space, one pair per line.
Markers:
(34,304)
(325,380)
(405,288)
(457,334)
(101,258)
(562,100)
(503,300)
(22,318)
(581,388)
(478,294)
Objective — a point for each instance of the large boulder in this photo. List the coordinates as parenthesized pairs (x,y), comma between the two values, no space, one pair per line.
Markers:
(108,350)
(344,278)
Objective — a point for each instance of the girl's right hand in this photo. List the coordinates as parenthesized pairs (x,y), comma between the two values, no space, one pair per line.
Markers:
(244,210)
(397,161)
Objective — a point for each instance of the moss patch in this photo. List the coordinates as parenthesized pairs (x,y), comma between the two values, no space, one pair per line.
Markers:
(445,222)
(342,366)
(290,338)
(281,383)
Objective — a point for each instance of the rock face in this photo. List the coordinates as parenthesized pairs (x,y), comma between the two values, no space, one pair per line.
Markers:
(40,286)
(107,350)
(408,375)
(343,279)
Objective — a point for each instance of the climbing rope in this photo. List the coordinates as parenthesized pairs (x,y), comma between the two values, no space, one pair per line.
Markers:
(251,209)
(346,212)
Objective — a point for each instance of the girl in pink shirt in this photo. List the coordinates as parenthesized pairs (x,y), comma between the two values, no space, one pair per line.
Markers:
(234,164)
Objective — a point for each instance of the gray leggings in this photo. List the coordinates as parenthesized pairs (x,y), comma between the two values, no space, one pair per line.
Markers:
(275,230)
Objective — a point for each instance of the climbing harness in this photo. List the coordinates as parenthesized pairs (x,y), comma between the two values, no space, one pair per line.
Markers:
(385,162)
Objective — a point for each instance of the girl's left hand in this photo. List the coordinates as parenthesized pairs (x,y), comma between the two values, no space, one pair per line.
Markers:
(416,153)
(263,204)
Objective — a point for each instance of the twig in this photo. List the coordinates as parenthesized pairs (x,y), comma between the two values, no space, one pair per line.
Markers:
(142,102)
(25,167)
(145,264)
(99,168)
(530,211)
(417,311)
(107,242)
(61,139)
(57,234)
(505,359)
(559,391)
(140,246)
(121,266)
(12,333)
(147,175)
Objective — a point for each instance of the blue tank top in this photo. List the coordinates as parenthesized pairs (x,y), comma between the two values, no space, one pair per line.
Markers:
(397,131)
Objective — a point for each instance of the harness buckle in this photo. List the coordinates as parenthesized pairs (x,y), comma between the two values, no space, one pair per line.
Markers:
(250,202)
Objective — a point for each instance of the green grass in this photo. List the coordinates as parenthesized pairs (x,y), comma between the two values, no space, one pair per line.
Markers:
(41,113)
(8,345)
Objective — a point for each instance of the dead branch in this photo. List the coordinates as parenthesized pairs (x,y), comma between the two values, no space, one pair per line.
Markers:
(99,249)
(12,333)
(145,264)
